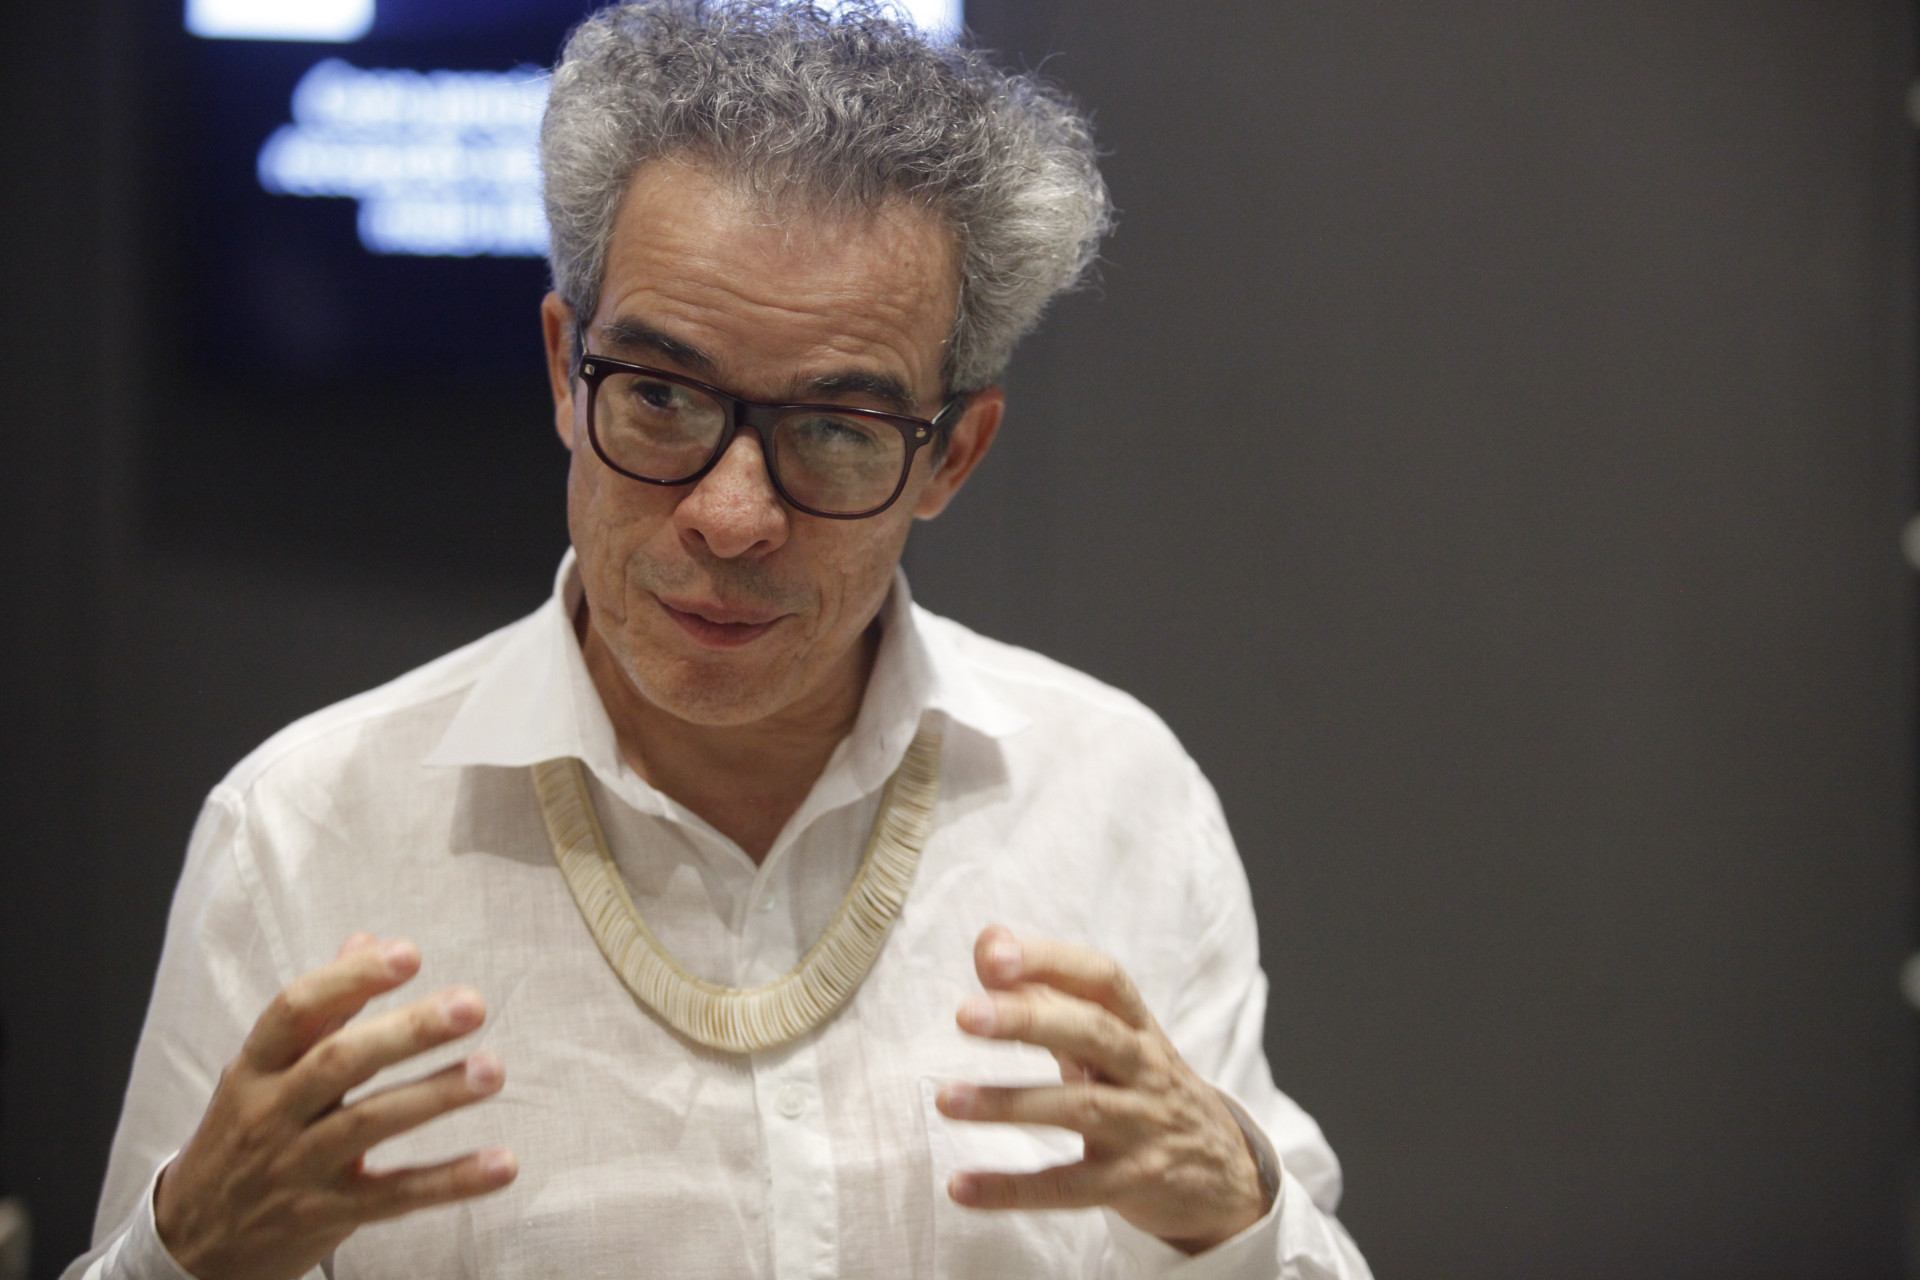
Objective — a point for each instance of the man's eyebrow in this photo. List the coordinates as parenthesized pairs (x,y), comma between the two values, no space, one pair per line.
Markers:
(625,334)
(884,387)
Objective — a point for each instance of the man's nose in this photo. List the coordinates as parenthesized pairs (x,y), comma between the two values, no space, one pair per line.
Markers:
(734,509)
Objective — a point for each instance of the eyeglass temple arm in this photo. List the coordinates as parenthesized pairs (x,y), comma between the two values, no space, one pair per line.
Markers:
(944,420)
(579,349)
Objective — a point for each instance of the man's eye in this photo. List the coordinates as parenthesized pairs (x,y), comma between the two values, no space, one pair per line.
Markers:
(661,395)
(840,434)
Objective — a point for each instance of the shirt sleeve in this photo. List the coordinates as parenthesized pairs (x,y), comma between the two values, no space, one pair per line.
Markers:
(1218,1023)
(223,962)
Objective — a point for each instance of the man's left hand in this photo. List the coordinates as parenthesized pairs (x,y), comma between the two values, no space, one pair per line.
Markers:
(1162,1149)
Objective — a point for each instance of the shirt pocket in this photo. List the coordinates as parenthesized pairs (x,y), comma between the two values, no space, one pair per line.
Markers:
(1003,1244)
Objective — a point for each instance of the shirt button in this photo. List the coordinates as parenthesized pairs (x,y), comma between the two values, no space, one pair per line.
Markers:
(766,903)
(792,1101)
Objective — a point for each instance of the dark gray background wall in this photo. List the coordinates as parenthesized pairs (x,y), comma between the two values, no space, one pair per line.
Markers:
(1487,446)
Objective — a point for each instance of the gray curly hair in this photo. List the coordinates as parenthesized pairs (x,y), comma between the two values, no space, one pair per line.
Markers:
(843,112)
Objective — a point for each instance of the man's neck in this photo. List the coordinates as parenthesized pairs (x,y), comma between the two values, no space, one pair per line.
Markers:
(746,780)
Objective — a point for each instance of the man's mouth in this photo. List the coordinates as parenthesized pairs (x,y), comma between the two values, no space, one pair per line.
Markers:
(721,626)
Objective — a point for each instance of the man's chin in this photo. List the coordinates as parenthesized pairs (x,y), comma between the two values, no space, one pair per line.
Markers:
(717,713)
(715,695)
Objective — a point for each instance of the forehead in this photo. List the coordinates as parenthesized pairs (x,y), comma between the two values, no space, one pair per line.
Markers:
(767,293)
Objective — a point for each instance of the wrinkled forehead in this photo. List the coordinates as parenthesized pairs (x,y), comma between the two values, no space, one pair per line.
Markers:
(737,266)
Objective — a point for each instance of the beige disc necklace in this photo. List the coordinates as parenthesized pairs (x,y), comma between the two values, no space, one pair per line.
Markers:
(745,1019)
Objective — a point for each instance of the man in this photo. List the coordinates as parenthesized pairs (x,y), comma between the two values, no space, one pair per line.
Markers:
(820,936)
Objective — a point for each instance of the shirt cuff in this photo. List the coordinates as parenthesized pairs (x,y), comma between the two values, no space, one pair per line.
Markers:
(139,1255)
(1252,1253)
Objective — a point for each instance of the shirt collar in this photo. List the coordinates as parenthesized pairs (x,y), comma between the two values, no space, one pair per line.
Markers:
(534,701)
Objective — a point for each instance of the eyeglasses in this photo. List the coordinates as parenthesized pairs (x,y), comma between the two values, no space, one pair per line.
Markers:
(827,460)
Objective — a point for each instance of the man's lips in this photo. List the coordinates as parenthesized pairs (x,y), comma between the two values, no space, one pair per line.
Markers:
(720,626)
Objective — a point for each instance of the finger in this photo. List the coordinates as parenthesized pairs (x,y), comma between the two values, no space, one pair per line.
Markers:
(1104,1115)
(1005,962)
(998,958)
(354,1054)
(1082,1031)
(358,941)
(304,1010)
(339,1139)
(399,1191)
(1082,1185)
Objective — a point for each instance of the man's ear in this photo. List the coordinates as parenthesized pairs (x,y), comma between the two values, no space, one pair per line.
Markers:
(556,325)
(967,444)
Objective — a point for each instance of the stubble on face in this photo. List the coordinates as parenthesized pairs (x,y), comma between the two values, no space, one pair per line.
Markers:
(631,632)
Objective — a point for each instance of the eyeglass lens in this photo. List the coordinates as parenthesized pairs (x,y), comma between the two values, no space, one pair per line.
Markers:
(667,432)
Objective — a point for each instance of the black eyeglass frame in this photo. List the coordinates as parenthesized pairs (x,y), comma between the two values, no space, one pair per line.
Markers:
(915,433)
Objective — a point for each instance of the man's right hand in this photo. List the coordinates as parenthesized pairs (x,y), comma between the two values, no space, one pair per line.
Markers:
(275,1177)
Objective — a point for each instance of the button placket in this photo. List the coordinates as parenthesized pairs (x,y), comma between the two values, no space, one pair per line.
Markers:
(768,947)
(803,1192)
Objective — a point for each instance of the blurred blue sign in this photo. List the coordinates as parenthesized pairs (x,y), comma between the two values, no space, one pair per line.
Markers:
(337,20)
(442,162)
(378,208)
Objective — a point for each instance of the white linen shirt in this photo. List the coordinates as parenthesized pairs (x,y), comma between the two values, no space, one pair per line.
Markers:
(1066,810)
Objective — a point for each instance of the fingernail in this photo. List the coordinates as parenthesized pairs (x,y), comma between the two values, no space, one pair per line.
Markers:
(1003,956)
(397,956)
(484,1073)
(462,1009)
(977,1015)
(958,1098)
(961,1187)
(499,1166)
